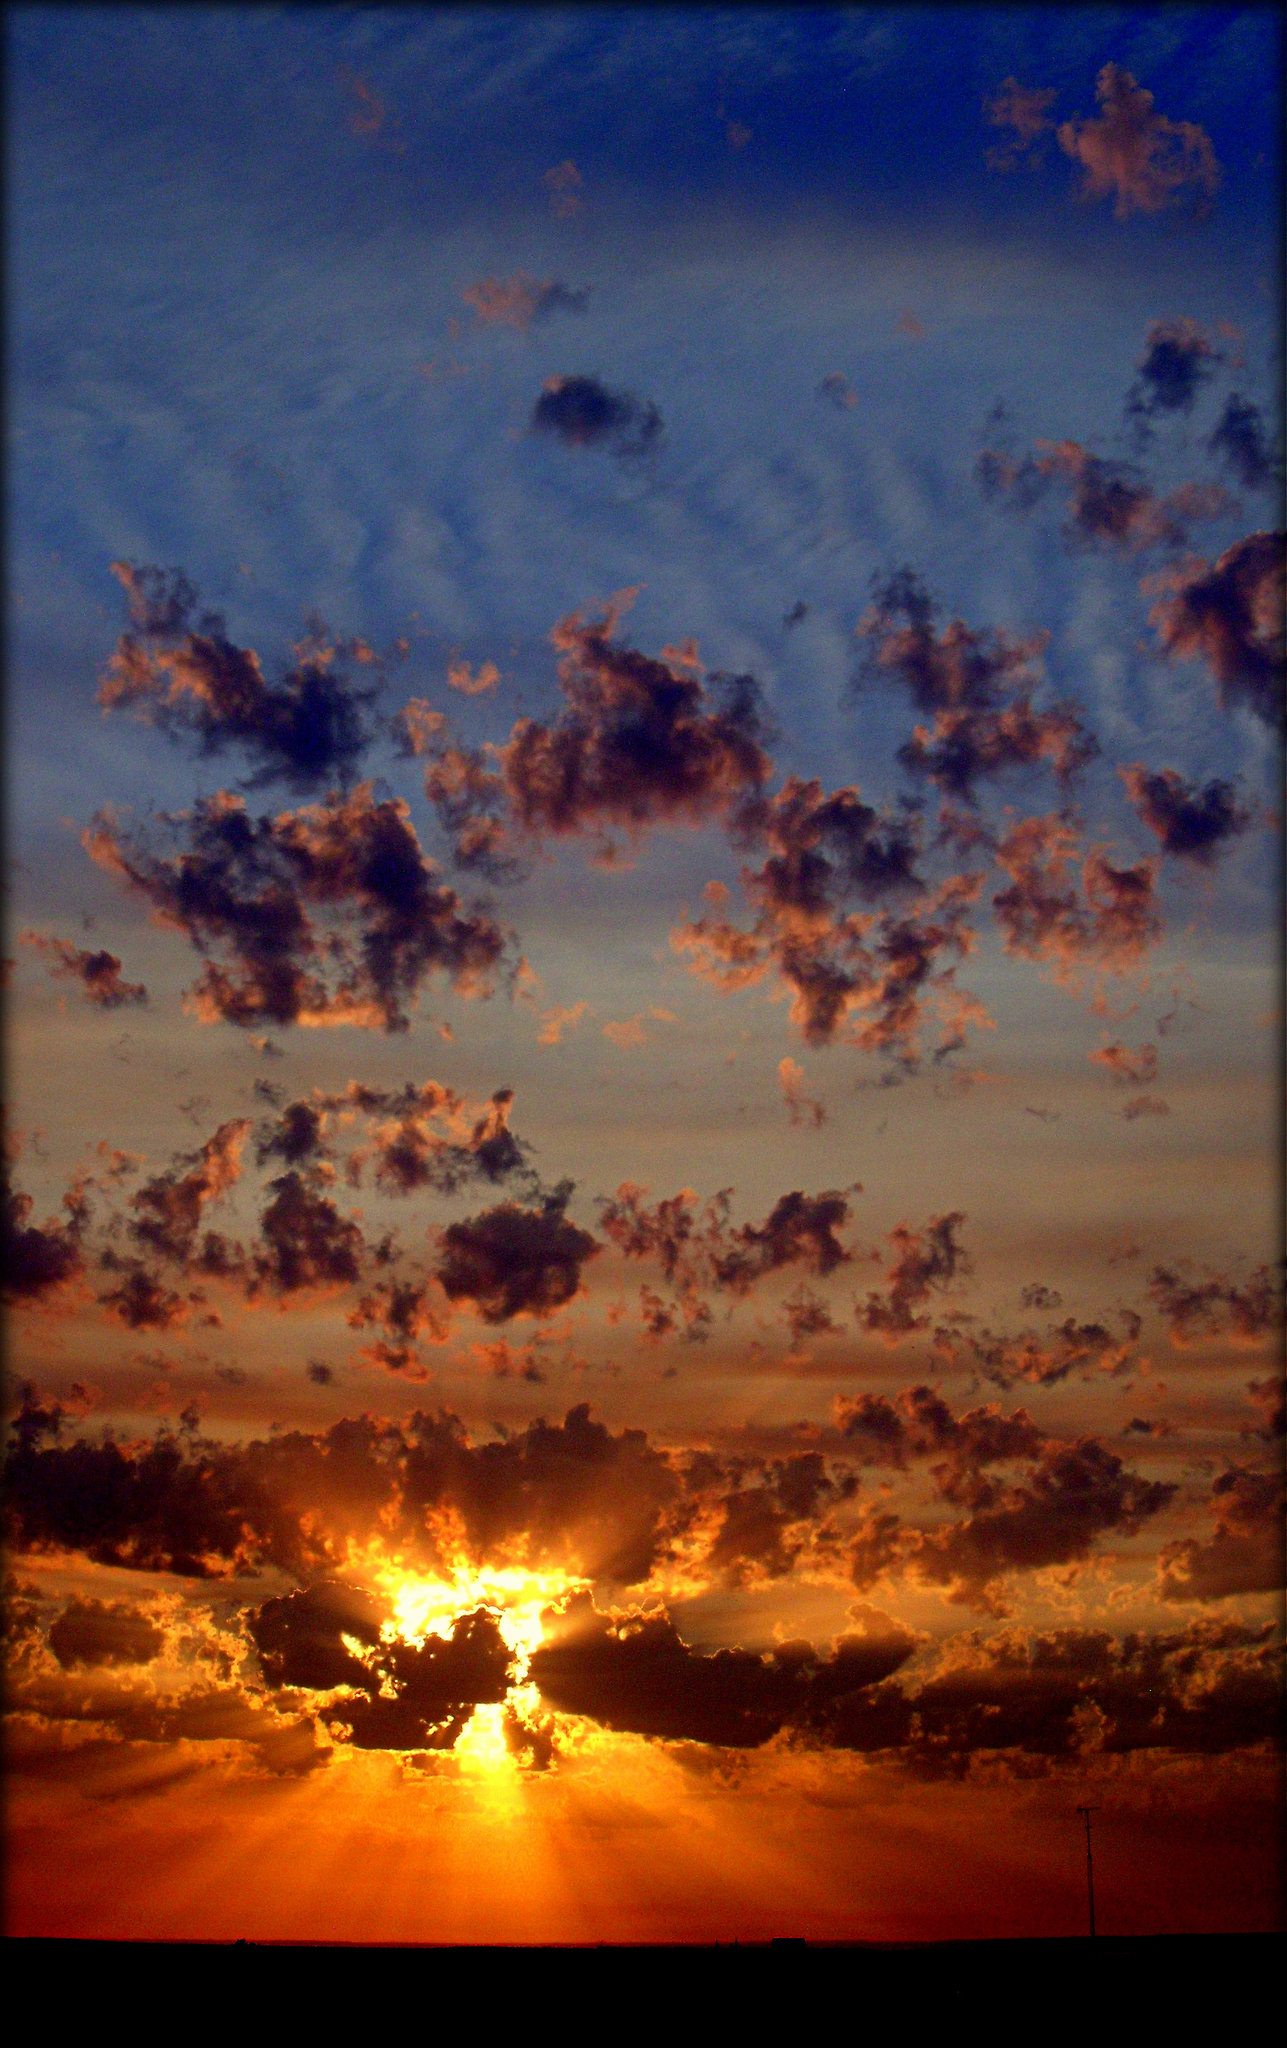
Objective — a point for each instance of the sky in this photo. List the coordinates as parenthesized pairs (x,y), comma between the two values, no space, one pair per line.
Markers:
(643,984)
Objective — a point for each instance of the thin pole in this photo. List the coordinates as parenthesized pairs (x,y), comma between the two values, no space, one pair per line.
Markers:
(1086,1812)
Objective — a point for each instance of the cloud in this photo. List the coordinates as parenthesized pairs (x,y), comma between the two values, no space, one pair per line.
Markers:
(1240,440)
(803,1109)
(918,1423)
(555,1022)
(1219,1303)
(1179,358)
(633,1672)
(512,1261)
(1132,1066)
(583,413)
(1229,615)
(1073,1495)
(979,686)
(705,1249)
(246,886)
(640,742)
(1041,1362)
(473,684)
(837,391)
(1244,1554)
(570,1494)
(305,731)
(167,1210)
(564,184)
(406,1310)
(99,973)
(400,1695)
(1111,505)
(304,1241)
(519,300)
(924,1260)
(368,115)
(1144,1105)
(1192,820)
(91,1633)
(1072,1693)
(142,1301)
(1137,157)
(1023,108)
(1109,926)
(35,1261)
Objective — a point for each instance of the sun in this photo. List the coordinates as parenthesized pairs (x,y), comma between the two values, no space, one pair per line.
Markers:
(425,1606)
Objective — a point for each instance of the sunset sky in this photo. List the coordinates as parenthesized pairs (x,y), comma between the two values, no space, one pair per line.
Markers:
(645,659)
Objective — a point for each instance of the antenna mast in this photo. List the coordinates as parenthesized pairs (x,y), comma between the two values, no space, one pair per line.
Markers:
(1086,1812)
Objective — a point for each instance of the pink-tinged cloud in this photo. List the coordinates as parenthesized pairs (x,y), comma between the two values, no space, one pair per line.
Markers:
(98,973)
(246,886)
(184,675)
(1025,109)
(1132,1066)
(1191,820)
(1108,924)
(564,184)
(802,1108)
(1230,615)
(1135,156)
(519,300)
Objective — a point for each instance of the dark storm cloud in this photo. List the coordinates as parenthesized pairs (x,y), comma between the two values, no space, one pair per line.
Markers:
(636,1674)
(1230,615)
(512,1261)
(1135,156)
(924,1261)
(583,413)
(1179,358)
(306,731)
(1241,441)
(640,742)
(1194,1307)
(1192,820)
(1243,1554)
(1108,925)
(246,886)
(979,687)
(89,1633)
(1111,506)
(520,300)
(99,973)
